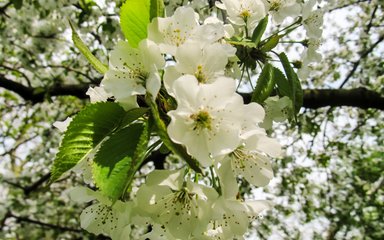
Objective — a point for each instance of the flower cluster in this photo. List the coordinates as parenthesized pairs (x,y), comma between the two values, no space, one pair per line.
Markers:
(191,62)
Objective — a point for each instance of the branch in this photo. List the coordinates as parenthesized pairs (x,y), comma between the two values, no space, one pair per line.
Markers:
(362,56)
(37,184)
(313,98)
(357,97)
(30,188)
(36,95)
(42,224)
(4,8)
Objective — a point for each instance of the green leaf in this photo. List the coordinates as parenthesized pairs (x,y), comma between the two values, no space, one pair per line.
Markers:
(157,9)
(282,83)
(132,115)
(162,132)
(134,18)
(17,4)
(259,30)
(86,131)
(271,43)
(296,92)
(244,43)
(118,159)
(265,84)
(100,67)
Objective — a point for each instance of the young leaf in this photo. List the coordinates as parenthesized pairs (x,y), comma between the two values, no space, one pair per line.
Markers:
(259,30)
(264,85)
(270,44)
(100,67)
(134,18)
(118,159)
(88,129)
(157,9)
(162,132)
(296,93)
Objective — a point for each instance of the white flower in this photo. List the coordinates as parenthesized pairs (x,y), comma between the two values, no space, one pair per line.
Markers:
(312,20)
(249,160)
(280,9)
(233,216)
(205,62)
(133,71)
(229,31)
(277,110)
(102,217)
(310,54)
(182,207)
(243,12)
(208,117)
(172,32)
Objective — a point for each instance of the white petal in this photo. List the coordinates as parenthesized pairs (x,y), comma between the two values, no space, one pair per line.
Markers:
(170,178)
(98,94)
(151,55)
(122,84)
(81,194)
(227,178)
(170,76)
(124,57)
(98,219)
(153,84)
(264,144)
(62,125)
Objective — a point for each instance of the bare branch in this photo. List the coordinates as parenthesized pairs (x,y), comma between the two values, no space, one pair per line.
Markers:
(36,95)
(362,56)
(43,224)
(357,97)
(313,98)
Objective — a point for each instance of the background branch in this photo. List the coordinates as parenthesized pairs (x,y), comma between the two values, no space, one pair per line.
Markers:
(42,224)
(313,98)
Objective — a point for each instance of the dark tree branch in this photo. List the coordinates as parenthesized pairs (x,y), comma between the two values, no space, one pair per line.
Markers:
(43,224)
(362,56)
(313,98)
(30,188)
(348,4)
(357,97)
(4,8)
(36,95)
(37,184)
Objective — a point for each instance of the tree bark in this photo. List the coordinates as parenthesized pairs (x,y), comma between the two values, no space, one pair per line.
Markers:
(312,98)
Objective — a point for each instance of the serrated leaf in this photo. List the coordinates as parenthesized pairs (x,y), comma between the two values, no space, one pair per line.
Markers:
(162,132)
(259,30)
(283,87)
(271,43)
(100,67)
(134,18)
(156,9)
(296,93)
(118,158)
(132,115)
(86,131)
(265,84)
